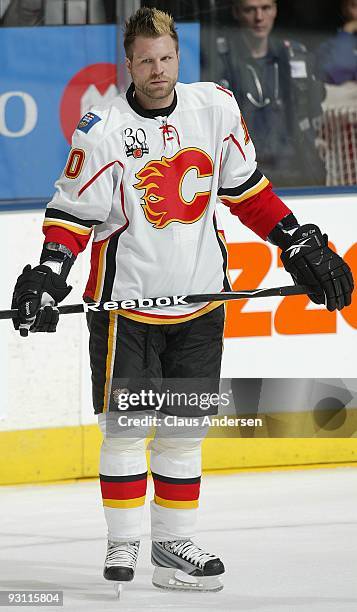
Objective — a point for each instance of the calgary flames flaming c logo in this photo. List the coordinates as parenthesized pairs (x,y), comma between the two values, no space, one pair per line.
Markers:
(163,180)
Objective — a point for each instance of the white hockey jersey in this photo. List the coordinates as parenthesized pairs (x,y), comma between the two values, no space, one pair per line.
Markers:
(146,184)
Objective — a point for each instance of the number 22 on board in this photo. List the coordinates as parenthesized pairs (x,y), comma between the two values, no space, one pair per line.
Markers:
(291,315)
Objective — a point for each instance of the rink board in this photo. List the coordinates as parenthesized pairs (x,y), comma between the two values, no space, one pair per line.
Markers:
(46,423)
(43,455)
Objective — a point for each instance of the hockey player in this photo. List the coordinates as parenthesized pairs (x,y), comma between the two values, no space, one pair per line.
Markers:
(143,178)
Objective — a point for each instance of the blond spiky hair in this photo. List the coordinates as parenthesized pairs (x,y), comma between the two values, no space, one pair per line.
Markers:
(148,22)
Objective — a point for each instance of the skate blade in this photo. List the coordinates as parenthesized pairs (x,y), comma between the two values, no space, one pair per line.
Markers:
(172,579)
(118,588)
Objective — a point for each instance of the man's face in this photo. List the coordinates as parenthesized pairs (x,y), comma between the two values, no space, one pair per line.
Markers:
(350,10)
(154,66)
(256,16)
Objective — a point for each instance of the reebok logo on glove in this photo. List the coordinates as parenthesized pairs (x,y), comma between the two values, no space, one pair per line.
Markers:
(295,248)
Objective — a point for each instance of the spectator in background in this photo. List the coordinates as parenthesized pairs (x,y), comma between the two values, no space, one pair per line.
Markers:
(338,56)
(275,86)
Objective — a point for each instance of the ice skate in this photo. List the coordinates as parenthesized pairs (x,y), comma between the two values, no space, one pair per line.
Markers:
(183,566)
(120,563)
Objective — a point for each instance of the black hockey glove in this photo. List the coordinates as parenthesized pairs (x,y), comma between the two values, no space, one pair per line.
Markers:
(36,295)
(310,261)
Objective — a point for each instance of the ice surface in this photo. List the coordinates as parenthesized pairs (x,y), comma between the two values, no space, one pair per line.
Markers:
(288,540)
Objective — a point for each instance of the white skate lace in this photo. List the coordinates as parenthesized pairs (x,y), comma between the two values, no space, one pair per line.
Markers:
(122,554)
(189,551)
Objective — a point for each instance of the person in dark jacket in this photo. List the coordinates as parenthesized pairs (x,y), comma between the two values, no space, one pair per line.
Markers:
(338,56)
(276,88)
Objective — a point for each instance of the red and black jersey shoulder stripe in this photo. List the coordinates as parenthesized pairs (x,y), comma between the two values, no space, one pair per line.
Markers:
(241,189)
(55,213)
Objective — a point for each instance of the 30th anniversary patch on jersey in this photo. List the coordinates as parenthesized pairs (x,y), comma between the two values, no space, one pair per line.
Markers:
(87,122)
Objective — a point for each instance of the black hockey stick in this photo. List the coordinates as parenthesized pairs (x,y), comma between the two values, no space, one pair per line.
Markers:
(173,300)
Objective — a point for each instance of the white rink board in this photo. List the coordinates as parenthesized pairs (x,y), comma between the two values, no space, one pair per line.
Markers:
(48,380)
(44,370)
(317,355)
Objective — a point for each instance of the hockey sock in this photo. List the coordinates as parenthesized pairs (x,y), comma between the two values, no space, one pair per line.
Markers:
(176,470)
(123,480)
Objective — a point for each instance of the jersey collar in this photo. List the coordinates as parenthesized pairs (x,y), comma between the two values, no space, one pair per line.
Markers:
(149,113)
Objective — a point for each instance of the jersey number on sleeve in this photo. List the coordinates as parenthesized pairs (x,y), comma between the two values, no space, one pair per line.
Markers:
(75,163)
